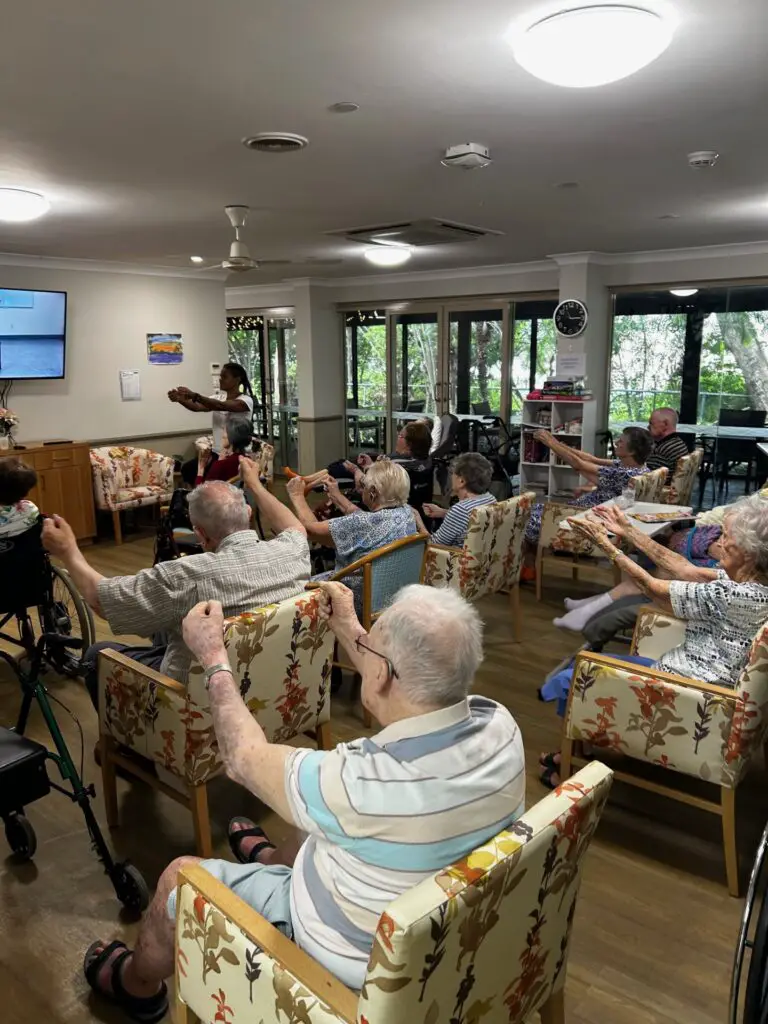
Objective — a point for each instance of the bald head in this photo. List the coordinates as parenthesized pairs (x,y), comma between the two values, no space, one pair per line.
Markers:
(662,423)
(434,638)
(217,510)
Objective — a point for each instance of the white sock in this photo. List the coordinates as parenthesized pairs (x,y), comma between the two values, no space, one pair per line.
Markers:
(571,602)
(579,617)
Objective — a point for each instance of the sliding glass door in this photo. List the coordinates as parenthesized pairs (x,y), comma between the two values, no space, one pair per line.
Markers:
(365,356)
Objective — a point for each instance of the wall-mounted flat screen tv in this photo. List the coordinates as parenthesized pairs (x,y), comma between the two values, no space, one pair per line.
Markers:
(32,334)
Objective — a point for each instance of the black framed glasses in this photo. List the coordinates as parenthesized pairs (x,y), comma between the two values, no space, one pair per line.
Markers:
(362,647)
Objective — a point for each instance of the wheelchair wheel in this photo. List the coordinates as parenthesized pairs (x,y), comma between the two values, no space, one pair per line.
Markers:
(21,836)
(68,615)
(753,936)
(130,887)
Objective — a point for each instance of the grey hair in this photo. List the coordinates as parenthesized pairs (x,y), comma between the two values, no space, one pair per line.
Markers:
(747,521)
(391,482)
(239,433)
(219,509)
(434,639)
(475,470)
(668,413)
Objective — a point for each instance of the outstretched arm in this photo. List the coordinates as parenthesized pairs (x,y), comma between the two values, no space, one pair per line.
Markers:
(678,567)
(59,540)
(202,403)
(278,515)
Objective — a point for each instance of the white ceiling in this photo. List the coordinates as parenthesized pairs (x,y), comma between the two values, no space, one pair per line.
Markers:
(129,116)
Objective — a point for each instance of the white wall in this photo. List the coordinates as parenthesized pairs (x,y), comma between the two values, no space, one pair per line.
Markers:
(108,317)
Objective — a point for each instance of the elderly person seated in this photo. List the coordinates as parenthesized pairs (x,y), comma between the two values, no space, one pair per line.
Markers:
(668,446)
(379,814)
(17,514)
(470,479)
(238,439)
(385,487)
(723,608)
(235,567)
(607,479)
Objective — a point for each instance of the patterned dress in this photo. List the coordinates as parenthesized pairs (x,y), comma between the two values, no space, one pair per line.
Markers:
(611,481)
(360,533)
(18,518)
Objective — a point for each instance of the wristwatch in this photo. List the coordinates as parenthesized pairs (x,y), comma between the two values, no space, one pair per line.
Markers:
(223,667)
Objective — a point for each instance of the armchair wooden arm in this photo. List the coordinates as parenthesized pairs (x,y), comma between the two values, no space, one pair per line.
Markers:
(269,942)
(151,676)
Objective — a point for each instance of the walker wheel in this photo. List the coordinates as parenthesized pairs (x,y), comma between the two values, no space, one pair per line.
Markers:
(130,887)
(21,836)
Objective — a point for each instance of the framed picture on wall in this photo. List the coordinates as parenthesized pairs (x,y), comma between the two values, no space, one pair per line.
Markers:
(165,348)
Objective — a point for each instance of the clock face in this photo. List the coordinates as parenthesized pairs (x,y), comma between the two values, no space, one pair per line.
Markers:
(570,318)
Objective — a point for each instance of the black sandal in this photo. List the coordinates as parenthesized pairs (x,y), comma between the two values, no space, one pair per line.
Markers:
(252,832)
(548,761)
(147,1010)
(546,777)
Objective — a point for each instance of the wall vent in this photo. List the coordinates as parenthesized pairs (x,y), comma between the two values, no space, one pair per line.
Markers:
(416,233)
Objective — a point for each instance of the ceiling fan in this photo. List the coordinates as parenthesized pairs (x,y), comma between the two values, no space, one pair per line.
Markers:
(240,260)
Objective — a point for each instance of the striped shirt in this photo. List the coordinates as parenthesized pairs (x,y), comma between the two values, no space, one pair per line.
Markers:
(243,573)
(384,813)
(453,530)
(667,452)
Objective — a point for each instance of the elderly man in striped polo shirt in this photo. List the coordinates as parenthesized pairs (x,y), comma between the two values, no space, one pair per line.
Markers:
(379,814)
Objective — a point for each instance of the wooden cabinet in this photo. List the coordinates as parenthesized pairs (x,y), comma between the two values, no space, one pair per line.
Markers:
(64,482)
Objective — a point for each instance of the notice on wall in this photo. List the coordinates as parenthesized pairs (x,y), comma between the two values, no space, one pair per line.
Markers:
(130,385)
(571,364)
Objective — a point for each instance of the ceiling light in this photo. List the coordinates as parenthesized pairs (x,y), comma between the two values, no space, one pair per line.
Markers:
(197,259)
(17,205)
(683,293)
(388,255)
(590,46)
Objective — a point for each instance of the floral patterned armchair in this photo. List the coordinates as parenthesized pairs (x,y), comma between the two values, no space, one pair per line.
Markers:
(682,725)
(485,939)
(650,486)
(281,655)
(126,477)
(680,488)
(557,542)
(492,555)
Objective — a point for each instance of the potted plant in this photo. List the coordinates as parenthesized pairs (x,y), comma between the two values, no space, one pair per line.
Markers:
(8,420)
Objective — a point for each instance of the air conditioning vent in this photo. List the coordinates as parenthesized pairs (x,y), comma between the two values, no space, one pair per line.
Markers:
(416,233)
(275,142)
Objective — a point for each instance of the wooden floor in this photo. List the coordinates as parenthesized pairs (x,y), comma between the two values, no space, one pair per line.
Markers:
(655,927)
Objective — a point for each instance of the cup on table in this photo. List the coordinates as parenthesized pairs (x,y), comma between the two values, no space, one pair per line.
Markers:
(626,499)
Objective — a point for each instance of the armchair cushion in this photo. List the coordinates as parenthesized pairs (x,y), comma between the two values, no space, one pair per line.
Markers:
(125,477)
(680,487)
(281,656)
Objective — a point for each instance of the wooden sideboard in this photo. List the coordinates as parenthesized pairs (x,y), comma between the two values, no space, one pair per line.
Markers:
(64,482)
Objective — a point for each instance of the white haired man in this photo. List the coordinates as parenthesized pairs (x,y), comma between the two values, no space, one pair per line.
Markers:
(668,445)
(445,774)
(235,568)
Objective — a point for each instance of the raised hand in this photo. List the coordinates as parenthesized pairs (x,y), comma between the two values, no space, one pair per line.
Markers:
(203,630)
(615,520)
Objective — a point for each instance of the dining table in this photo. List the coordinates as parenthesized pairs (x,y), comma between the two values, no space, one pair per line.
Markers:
(684,513)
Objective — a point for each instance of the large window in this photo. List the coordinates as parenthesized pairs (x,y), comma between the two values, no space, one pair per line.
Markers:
(699,354)
(534,350)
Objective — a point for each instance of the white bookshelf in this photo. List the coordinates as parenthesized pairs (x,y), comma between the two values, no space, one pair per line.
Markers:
(541,471)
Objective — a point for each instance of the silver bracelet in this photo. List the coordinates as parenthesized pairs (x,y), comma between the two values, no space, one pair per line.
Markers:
(209,672)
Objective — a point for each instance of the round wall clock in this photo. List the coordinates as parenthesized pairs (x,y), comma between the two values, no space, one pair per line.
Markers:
(570,317)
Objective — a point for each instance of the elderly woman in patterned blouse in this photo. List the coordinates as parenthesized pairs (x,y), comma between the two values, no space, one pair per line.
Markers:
(722,608)
(385,489)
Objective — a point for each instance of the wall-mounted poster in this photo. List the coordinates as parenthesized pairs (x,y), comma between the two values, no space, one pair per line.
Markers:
(165,348)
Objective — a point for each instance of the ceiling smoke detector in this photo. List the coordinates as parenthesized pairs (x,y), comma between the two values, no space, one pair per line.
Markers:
(702,159)
(275,142)
(469,156)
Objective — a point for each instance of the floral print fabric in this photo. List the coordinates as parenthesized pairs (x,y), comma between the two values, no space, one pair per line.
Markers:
(126,477)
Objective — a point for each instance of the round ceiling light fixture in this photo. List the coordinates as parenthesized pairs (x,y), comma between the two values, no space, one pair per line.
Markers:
(344,107)
(197,259)
(589,46)
(683,293)
(388,255)
(17,205)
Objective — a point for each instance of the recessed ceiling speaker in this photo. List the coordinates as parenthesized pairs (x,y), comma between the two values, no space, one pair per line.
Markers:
(275,142)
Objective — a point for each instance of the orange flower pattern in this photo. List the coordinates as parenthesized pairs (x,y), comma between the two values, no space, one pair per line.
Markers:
(125,477)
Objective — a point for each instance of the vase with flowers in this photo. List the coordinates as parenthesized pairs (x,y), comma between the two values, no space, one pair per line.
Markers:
(8,420)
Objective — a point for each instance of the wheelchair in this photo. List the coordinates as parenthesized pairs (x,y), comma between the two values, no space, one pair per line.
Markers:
(753,936)
(28,580)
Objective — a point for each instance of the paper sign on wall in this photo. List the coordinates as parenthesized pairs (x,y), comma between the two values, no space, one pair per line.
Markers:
(571,364)
(130,385)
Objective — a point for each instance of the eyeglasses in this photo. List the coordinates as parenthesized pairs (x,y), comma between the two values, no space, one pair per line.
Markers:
(361,647)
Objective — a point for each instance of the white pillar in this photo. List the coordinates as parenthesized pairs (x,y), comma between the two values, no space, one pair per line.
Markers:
(582,277)
(320,358)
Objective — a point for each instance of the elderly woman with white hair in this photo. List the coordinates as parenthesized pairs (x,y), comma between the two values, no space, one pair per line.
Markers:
(385,489)
(722,608)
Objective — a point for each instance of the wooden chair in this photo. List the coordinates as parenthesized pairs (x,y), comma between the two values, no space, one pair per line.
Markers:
(564,545)
(683,725)
(650,486)
(491,558)
(384,571)
(486,938)
(282,657)
(680,488)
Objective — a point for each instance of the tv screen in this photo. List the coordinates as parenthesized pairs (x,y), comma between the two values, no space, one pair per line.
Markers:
(32,334)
